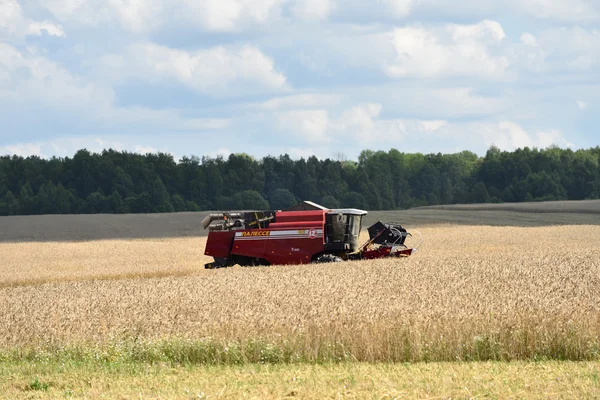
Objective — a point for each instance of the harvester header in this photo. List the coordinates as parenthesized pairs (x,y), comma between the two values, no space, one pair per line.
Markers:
(307,233)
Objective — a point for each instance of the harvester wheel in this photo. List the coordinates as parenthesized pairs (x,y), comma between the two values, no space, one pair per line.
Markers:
(250,261)
(327,258)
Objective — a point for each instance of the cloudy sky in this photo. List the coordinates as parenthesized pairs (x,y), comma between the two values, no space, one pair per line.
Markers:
(302,77)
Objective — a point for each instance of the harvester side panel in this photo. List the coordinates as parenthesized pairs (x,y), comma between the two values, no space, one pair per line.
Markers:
(251,243)
(301,216)
(279,247)
(219,244)
(296,225)
(295,246)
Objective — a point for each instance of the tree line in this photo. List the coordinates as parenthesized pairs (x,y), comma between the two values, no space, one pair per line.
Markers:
(123,182)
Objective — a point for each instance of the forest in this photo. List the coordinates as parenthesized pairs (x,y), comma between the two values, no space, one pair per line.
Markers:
(123,182)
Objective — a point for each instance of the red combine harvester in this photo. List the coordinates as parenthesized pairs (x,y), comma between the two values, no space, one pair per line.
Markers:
(307,233)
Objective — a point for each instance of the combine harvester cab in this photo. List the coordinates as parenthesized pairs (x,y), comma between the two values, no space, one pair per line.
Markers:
(307,233)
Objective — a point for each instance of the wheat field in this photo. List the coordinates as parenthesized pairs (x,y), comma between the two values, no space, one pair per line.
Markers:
(470,293)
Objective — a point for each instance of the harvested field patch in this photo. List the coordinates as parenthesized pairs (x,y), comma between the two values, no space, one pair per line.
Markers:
(547,207)
(66,228)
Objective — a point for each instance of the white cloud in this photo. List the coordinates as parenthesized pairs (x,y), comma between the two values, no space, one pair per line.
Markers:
(229,15)
(528,54)
(361,123)
(303,152)
(560,49)
(488,32)
(14,23)
(10,16)
(401,8)
(23,150)
(422,10)
(198,124)
(303,101)
(68,146)
(506,135)
(457,102)
(61,147)
(464,9)
(39,28)
(313,10)
(582,105)
(221,152)
(476,137)
(217,71)
(356,47)
(158,121)
(310,125)
(362,126)
(528,39)
(561,10)
(99,144)
(145,149)
(132,15)
(432,126)
(479,136)
(580,47)
(434,100)
(356,126)
(509,136)
(348,131)
(137,15)
(557,10)
(35,90)
(553,137)
(455,50)
(45,81)
(140,16)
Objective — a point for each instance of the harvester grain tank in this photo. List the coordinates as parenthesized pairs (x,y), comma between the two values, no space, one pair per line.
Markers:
(306,233)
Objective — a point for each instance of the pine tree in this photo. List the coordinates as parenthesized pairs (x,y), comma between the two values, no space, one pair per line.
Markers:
(26,200)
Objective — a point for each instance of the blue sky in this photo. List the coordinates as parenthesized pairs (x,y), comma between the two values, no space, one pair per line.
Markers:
(303,77)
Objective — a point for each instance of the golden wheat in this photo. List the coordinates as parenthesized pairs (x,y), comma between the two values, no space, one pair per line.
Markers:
(34,263)
(509,292)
